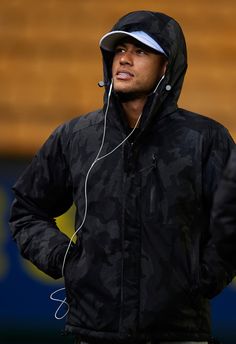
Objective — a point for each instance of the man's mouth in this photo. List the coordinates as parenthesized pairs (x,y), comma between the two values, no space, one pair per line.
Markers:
(124,75)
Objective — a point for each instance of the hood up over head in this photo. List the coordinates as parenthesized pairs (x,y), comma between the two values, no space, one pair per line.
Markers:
(161,33)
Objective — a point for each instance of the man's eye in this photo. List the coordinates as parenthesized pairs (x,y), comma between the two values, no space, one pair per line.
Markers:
(140,51)
(119,50)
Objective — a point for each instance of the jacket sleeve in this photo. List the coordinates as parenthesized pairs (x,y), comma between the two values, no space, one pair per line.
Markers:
(42,193)
(224,214)
(215,273)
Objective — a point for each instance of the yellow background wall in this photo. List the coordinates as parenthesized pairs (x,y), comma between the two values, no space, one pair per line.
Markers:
(50,62)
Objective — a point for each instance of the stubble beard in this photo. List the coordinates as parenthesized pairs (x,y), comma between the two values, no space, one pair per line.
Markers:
(127,96)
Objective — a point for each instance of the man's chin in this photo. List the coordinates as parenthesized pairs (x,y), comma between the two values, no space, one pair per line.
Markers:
(127,96)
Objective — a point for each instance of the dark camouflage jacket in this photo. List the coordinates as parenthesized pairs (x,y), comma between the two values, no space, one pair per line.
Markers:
(144,265)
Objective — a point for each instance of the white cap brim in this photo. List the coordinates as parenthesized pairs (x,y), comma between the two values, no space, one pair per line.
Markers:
(109,40)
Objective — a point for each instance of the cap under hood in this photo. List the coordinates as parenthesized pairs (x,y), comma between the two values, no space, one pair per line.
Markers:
(168,34)
(109,40)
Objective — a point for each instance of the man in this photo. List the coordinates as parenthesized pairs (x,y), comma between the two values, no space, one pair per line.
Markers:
(141,173)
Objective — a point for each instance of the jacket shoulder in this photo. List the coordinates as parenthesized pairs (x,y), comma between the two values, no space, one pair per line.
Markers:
(84,121)
(60,138)
(202,123)
(68,129)
(230,170)
(200,119)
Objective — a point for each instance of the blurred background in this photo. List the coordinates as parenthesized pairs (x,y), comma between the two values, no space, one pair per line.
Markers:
(50,65)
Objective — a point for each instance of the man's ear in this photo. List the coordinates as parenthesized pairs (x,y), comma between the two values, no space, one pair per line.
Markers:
(164,65)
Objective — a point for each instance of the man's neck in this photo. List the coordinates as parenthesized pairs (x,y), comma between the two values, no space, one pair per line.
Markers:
(133,108)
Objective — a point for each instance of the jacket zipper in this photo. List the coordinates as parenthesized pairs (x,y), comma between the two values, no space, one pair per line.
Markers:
(122,250)
(153,187)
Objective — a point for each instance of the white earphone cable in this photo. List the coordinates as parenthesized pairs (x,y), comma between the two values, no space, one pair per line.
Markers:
(97,158)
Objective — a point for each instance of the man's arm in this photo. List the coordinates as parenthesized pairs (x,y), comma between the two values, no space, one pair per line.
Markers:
(42,193)
(224,214)
(215,274)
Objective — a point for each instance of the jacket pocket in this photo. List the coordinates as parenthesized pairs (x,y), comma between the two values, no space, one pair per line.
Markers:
(71,262)
(168,268)
(214,275)
(153,190)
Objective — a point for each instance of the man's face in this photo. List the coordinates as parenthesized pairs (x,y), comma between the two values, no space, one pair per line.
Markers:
(136,69)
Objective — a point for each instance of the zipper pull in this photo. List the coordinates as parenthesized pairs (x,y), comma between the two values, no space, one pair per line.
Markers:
(154,160)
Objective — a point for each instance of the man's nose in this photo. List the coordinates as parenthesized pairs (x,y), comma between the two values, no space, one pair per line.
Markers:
(126,58)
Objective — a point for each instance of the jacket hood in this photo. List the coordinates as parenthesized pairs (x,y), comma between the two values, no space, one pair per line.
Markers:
(168,34)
